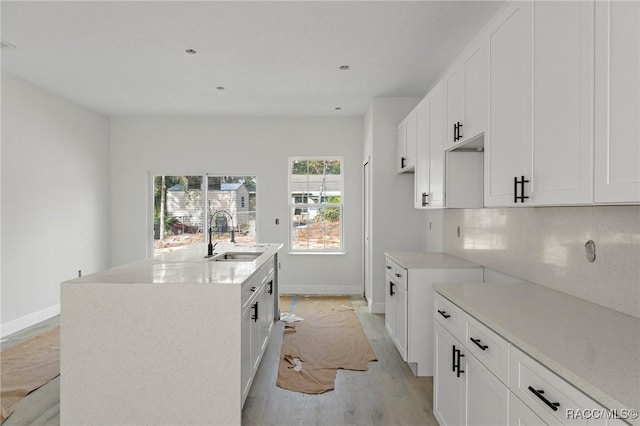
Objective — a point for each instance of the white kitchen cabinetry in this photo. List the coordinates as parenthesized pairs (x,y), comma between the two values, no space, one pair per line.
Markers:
(483,379)
(406,143)
(539,149)
(521,415)
(409,301)
(429,165)
(617,113)
(546,394)
(396,306)
(449,392)
(257,321)
(467,393)
(466,89)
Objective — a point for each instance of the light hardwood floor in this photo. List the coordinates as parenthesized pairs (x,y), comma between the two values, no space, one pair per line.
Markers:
(386,394)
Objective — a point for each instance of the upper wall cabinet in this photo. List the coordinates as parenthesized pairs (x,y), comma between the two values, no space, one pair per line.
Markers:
(429,168)
(540,138)
(617,106)
(509,123)
(407,143)
(466,94)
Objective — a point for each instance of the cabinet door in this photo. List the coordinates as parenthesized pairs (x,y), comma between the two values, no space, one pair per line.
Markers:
(617,126)
(475,94)
(401,321)
(521,415)
(401,147)
(390,307)
(454,84)
(245,351)
(561,147)
(270,303)
(256,335)
(510,82)
(448,388)
(487,399)
(410,153)
(421,170)
(266,315)
(436,146)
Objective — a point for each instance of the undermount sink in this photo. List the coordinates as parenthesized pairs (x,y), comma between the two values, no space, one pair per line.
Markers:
(237,256)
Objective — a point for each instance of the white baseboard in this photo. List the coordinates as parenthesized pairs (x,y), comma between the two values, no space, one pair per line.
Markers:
(317,289)
(376,308)
(29,320)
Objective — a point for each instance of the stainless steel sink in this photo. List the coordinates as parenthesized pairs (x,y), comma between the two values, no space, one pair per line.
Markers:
(237,256)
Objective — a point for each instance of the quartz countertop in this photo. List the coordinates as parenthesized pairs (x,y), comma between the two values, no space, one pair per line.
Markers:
(429,260)
(594,348)
(186,266)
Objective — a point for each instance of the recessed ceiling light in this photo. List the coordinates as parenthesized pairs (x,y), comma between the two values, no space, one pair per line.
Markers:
(191,51)
(344,67)
(219,88)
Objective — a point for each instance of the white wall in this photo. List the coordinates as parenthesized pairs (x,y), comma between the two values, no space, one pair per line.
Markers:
(396,225)
(239,146)
(546,246)
(434,240)
(55,199)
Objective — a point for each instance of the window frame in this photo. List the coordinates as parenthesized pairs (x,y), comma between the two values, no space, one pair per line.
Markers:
(294,205)
(151,174)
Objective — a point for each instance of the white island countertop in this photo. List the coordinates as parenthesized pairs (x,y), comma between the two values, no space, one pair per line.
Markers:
(186,266)
(594,348)
(429,260)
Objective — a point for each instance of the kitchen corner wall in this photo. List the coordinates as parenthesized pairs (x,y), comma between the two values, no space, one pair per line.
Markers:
(55,199)
(546,246)
(395,224)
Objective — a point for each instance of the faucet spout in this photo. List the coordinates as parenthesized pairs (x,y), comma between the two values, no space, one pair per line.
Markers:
(233,234)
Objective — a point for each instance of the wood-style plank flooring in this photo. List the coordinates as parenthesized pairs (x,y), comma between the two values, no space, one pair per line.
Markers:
(42,406)
(386,394)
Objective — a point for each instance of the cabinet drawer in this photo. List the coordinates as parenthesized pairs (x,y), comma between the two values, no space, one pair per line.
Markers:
(396,273)
(549,396)
(491,349)
(450,316)
(250,288)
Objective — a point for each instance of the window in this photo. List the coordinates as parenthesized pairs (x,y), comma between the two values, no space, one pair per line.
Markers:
(181,203)
(316,204)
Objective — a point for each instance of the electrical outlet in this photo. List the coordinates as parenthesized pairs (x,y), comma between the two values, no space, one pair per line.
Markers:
(277,221)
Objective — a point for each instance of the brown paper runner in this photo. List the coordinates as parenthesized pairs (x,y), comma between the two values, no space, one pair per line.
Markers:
(28,366)
(330,337)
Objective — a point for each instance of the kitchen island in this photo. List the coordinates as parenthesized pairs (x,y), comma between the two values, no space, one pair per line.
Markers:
(174,339)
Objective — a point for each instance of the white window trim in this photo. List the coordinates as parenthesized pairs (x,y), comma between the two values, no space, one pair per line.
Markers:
(292,205)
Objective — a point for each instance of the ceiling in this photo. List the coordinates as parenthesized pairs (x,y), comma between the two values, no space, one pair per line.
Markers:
(273,58)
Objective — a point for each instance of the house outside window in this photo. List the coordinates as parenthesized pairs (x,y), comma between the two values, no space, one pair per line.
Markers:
(316,198)
(186,206)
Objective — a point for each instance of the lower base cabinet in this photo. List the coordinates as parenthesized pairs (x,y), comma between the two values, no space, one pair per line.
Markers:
(409,302)
(482,379)
(466,392)
(521,415)
(257,322)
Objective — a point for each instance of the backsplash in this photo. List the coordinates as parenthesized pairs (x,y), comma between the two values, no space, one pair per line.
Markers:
(546,245)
